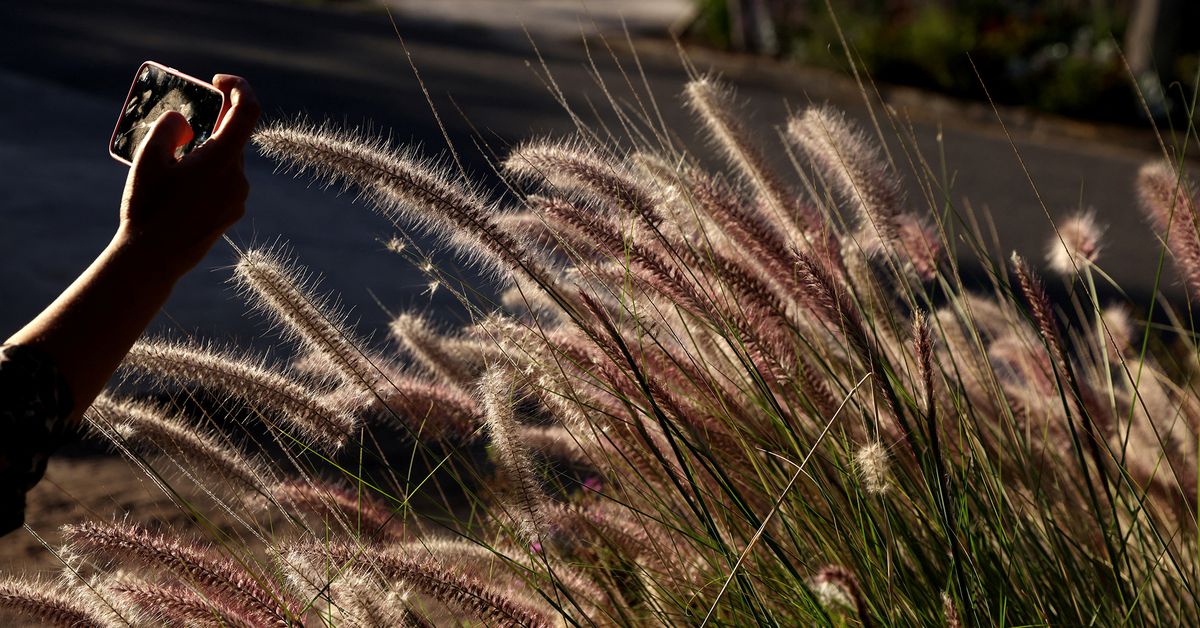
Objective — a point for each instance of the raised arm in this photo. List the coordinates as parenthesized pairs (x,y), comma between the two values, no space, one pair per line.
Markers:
(172,212)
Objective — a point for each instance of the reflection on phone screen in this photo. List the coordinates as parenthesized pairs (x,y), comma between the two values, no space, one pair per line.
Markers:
(156,91)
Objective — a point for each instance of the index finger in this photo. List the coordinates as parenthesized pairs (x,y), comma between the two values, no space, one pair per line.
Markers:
(239,119)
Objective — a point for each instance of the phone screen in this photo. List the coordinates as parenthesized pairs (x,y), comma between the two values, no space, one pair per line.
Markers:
(155,91)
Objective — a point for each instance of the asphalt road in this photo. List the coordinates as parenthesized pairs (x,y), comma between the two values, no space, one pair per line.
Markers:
(65,67)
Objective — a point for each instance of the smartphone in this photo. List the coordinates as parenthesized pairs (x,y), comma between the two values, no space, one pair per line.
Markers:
(157,89)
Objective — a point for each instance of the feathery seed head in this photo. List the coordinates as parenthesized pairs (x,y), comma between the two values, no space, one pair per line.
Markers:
(251,593)
(853,166)
(1041,310)
(920,243)
(834,586)
(429,410)
(530,229)
(950,610)
(496,396)
(438,576)
(50,604)
(439,355)
(1168,197)
(661,170)
(1018,358)
(154,426)
(1165,192)
(1076,244)
(713,104)
(177,605)
(873,468)
(359,599)
(923,349)
(578,168)
(277,287)
(1118,330)
(555,442)
(831,594)
(361,512)
(326,425)
(402,187)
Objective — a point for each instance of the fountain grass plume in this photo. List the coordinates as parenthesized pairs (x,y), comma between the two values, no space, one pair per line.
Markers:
(1118,327)
(160,428)
(853,166)
(325,425)
(359,511)
(434,352)
(835,584)
(52,605)
(277,287)
(234,583)
(572,166)
(851,163)
(1041,311)
(1168,197)
(523,297)
(530,228)
(815,387)
(647,265)
(745,298)
(873,463)
(1076,244)
(177,605)
(921,245)
(362,601)
(713,106)
(525,497)
(923,351)
(429,409)
(403,187)
(479,558)
(556,442)
(950,611)
(439,580)
(830,300)
(745,226)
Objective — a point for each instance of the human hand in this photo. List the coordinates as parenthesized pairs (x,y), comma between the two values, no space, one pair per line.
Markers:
(173,210)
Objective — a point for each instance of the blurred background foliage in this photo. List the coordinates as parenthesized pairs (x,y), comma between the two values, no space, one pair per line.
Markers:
(1062,56)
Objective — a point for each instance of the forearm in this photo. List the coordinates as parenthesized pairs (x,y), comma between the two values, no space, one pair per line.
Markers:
(172,212)
(89,328)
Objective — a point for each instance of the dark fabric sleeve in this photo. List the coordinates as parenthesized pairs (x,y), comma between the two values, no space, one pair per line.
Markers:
(35,404)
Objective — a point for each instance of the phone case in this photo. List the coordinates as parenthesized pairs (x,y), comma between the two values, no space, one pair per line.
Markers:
(128,97)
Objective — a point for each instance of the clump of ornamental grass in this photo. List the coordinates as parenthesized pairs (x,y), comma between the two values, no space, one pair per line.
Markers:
(734,396)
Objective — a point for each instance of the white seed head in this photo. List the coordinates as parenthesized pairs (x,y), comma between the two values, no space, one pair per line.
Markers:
(836,587)
(1076,244)
(872,462)
(830,594)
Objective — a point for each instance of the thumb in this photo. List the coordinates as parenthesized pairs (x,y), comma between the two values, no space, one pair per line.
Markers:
(168,133)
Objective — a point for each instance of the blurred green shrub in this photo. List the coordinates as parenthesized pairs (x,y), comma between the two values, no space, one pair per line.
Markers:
(1060,56)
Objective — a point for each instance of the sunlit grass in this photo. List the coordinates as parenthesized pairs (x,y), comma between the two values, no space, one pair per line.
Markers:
(730,396)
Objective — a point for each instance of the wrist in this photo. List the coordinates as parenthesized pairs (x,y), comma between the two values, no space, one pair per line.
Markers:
(151,257)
